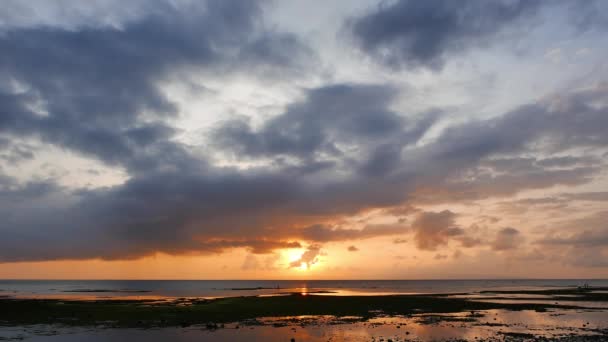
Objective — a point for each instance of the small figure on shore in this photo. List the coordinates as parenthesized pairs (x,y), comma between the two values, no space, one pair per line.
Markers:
(585,287)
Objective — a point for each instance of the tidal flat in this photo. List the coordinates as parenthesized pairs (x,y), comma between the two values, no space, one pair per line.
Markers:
(525,315)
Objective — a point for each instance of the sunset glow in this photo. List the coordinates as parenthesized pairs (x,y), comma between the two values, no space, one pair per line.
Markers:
(299,140)
(304,170)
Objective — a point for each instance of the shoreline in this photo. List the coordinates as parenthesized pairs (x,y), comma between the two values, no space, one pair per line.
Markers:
(399,315)
(153,312)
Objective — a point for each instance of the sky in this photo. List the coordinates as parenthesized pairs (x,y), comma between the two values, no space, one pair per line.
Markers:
(345,139)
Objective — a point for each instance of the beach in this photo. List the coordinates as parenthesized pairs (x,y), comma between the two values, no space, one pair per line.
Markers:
(521,313)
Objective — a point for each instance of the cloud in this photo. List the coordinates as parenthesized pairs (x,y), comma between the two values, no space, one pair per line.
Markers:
(568,161)
(187,205)
(557,202)
(434,229)
(426,33)
(587,232)
(252,262)
(468,241)
(331,121)
(339,150)
(402,210)
(96,82)
(259,246)
(483,184)
(533,255)
(308,258)
(14,153)
(579,242)
(557,124)
(506,239)
(595,196)
(325,234)
(353,249)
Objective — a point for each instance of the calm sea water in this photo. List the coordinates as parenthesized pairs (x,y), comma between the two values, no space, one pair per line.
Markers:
(227,288)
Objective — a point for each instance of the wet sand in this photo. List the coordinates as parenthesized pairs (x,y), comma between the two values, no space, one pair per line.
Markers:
(492,316)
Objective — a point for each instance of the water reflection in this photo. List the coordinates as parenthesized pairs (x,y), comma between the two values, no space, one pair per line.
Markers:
(423,327)
(222,288)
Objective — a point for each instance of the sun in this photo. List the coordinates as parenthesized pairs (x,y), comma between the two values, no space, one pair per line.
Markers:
(293,255)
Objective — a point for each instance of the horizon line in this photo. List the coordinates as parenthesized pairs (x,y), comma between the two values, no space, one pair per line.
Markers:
(365,279)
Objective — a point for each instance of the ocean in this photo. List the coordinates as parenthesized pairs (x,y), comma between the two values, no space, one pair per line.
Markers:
(232,288)
(555,316)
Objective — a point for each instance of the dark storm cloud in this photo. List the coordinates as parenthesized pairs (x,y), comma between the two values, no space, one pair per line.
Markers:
(276,54)
(425,33)
(92,85)
(346,127)
(190,206)
(566,122)
(330,116)
(588,15)
(11,191)
(340,150)
(95,90)
(173,213)
(556,125)
(485,185)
